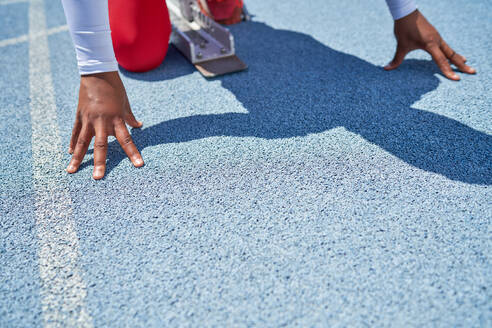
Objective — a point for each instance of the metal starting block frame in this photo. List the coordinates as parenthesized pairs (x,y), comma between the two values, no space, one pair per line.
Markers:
(207,45)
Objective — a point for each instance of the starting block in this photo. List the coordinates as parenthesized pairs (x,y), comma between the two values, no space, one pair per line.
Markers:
(208,45)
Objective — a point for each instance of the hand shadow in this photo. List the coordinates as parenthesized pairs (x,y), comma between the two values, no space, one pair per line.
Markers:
(296,86)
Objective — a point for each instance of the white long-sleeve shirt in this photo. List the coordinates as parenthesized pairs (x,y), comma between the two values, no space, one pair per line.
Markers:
(88,21)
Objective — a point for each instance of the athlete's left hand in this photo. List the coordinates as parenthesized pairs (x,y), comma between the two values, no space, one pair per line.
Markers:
(415,32)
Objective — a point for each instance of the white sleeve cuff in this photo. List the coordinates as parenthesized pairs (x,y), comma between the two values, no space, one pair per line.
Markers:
(89,67)
(401,8)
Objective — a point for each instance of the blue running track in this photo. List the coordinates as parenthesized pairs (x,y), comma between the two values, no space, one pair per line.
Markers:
(313,190)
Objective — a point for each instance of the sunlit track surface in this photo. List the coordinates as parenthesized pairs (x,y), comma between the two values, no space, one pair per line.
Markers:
(314,189)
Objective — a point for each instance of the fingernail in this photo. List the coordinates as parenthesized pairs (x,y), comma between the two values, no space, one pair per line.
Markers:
(455,76)
(138,161)
(70,150)
(70,168)
(140,124)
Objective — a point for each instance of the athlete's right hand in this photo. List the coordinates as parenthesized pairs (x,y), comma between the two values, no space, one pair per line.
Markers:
(102,111)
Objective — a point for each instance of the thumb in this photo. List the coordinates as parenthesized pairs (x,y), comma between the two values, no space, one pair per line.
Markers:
(398,59)
(132,121)
(129,117)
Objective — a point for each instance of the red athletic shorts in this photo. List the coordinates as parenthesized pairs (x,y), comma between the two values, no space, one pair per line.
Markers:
(140,30)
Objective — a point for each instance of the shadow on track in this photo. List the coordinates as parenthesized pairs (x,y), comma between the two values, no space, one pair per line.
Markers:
(296,86)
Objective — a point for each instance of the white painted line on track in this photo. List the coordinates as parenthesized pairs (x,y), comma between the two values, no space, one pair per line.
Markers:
(12,41)
(63,292)
(25,37)
(9,2)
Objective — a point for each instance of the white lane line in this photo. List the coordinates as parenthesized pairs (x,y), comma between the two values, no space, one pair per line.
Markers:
(25,37)
(12,41)
(9,2)
(63,292)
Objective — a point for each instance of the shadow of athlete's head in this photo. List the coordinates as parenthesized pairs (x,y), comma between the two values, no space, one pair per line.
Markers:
(296,85)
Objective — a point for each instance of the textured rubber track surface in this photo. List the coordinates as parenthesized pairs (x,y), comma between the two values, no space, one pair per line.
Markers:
(313,189)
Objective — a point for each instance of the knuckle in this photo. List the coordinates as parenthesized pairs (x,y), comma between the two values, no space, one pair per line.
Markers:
(460,64)
(443,62)
(127,140)
(100,163)
(97,116)
(100,144)
(459,59)
(82,142)
(118,121)
(431,44)
(76,159)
